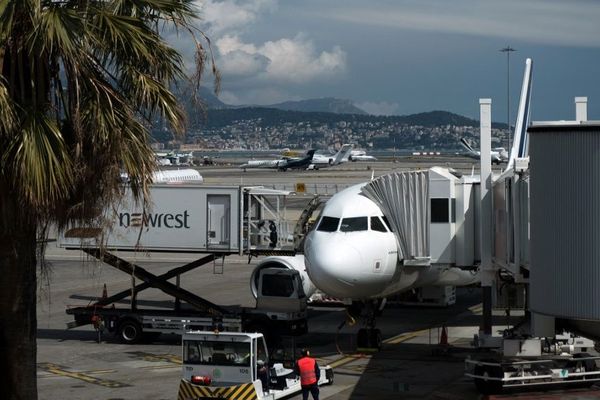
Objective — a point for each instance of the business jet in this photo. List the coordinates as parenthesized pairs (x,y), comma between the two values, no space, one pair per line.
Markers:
(273,164)
(282,164)
(359,155)
(322,161)
(499,154)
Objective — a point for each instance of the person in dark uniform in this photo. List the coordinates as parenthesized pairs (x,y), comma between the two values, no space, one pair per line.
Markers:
(263,374)
(309,372)
(272,234)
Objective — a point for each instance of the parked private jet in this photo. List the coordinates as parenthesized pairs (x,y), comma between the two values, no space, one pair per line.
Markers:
(323,161)
(281,164)
(499,154)
(359,155)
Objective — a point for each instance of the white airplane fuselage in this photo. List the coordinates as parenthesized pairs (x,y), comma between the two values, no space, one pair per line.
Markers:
(353,254)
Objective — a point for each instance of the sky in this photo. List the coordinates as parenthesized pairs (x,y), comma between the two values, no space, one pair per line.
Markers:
(398,57)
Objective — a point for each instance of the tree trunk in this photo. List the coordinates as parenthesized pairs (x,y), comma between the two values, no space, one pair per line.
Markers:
(18,301)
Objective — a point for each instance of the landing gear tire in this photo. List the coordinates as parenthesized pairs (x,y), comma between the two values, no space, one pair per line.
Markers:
(129,331)
(485,385)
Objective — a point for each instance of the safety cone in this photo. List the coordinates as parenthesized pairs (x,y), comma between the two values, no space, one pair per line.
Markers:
(104,293)
(444,337)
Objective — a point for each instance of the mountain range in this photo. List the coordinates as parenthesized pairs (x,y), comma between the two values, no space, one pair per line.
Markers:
(325,104)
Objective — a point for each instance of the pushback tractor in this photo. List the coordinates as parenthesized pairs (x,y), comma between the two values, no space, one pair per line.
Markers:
(234,365)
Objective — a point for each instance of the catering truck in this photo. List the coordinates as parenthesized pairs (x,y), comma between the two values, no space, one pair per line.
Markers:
(188,218)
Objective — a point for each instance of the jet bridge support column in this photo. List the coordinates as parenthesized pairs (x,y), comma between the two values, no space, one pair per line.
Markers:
(487,272)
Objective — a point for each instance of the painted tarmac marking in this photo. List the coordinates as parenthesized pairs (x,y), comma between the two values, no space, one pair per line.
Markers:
(393,340)
(61,371)
(405,336)
(155,367)
(477,308)
(345,360)
(171,358)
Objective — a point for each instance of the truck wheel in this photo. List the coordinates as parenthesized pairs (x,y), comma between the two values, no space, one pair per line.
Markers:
(129,331)
(488,386)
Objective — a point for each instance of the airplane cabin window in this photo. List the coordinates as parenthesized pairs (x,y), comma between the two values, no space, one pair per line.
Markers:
(329,224)
(354,224)
(377,225)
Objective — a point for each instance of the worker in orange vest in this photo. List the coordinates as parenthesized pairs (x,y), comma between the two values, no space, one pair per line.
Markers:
(309,372)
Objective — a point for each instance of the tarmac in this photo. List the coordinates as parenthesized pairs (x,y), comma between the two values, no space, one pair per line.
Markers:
(80,364)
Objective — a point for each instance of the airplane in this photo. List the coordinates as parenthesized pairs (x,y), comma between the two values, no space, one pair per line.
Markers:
(499,154)
(302,163)
(359,155)
(171,176)
(354,252)
(282,164)
(321,160)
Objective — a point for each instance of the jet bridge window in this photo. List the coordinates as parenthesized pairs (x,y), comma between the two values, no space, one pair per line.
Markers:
(377,225)
(440,211)
(354,224)
(329,224)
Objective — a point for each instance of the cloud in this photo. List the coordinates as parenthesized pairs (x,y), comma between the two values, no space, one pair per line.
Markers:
(379,108)
(555,22)
(231,15)
(280,61)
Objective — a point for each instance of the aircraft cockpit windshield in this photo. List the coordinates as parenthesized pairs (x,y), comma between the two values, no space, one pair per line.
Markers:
(328,224)
(353,224)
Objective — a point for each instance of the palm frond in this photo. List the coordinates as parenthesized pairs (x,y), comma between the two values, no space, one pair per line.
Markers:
(39,161)
(8,117)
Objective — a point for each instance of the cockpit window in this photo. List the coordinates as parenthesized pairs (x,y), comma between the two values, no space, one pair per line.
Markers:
(377,225)
(387,223)
(354,224)
(328,224)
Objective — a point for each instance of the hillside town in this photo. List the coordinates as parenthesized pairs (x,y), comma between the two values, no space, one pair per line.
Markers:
(255,134)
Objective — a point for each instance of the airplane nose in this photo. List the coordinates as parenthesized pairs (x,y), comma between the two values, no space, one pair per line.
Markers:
(339,269)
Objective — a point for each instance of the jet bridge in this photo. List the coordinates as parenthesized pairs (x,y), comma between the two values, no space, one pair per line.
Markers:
(432,214)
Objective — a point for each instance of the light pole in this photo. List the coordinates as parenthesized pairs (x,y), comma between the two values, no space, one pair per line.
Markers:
(508,50)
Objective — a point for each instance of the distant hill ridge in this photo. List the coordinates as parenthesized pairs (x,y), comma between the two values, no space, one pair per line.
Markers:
(271,116)
(324,111)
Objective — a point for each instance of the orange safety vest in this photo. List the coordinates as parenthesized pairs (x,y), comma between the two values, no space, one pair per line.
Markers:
(307,365)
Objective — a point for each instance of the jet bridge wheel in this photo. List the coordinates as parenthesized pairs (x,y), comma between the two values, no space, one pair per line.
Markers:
(488,386)
(129,331)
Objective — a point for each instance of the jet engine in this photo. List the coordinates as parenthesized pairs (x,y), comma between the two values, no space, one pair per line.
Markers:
(284,262)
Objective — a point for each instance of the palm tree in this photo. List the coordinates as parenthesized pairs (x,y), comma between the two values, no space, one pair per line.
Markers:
(81,83)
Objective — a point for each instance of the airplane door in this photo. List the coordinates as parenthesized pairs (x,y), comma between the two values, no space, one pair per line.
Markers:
(219,216)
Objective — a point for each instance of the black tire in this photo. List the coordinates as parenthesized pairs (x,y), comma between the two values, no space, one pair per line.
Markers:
(375,339)
(484,385)
(130,331)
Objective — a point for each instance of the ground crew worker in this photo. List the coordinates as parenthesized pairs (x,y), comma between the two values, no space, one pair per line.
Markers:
(309,372)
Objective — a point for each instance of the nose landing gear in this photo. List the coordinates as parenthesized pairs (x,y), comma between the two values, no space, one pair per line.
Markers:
(369,337)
